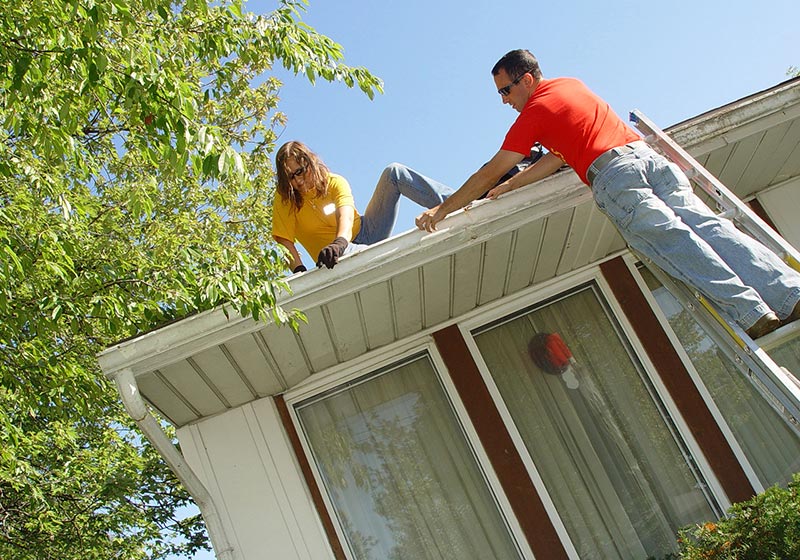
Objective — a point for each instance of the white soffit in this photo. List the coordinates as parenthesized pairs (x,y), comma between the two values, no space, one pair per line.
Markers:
(210,362)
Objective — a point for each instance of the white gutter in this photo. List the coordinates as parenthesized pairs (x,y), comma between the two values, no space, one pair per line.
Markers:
(138,410)
(732,122)
(481,220)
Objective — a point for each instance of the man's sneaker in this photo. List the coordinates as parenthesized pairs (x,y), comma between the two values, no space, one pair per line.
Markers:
(765,325)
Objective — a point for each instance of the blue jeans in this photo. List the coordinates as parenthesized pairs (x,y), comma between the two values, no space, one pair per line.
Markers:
(381,213)
(651,202)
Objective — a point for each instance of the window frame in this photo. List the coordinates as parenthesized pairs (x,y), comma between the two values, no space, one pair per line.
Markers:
(562,287)
(370,365)
(633,264)
(422,342)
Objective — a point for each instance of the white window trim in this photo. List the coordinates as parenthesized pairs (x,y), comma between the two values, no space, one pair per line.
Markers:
(714,486)
(631,261)
(551,289)
(386,357)
(399,351)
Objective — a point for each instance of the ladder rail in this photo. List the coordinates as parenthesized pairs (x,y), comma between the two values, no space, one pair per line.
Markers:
(779,387)
(768,378)
(728,201)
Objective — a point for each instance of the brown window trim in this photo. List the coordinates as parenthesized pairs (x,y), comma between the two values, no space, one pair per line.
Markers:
(508,465)
(311,482)
(761,212)
(677,380)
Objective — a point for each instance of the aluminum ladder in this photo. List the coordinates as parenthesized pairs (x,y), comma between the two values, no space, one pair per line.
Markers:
(780,387)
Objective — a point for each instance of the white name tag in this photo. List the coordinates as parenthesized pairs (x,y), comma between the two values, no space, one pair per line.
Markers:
(329,209)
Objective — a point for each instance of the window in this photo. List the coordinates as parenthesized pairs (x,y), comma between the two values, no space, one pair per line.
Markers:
(610,459)
(771,447)
(399,472)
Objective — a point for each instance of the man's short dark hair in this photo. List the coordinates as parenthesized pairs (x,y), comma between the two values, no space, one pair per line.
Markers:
(518,62)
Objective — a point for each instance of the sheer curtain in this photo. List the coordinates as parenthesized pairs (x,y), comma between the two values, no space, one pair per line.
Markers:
(402,478)
(771,447)
(608,457)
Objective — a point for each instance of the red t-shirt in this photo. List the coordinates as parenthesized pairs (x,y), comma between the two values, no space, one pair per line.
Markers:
(571,121)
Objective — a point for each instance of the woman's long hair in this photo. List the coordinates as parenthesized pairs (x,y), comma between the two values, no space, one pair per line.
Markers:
(316,172)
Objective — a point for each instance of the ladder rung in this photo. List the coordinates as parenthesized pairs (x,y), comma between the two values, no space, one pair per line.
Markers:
(730,214)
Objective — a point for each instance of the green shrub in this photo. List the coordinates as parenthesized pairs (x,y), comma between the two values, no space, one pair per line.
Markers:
(766,527)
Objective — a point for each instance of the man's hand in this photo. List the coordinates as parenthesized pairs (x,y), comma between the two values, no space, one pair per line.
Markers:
(329,256)
(428,219)
(502,188)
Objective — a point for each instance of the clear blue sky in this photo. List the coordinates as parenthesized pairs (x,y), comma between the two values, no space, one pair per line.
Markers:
(440,113)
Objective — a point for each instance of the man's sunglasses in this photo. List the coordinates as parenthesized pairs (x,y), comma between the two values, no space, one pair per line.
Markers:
(507,89)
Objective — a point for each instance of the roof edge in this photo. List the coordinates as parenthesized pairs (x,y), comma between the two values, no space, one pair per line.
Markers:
(743,117)
(473,224)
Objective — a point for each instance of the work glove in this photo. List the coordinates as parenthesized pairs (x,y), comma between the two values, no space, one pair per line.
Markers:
(299,268)
(329,256)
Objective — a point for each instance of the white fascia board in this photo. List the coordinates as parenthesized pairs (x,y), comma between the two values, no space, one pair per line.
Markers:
(728,124)
(480,221)
(483,220)
(151,350)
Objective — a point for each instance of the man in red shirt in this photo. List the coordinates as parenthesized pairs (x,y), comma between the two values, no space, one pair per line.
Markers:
(648,198)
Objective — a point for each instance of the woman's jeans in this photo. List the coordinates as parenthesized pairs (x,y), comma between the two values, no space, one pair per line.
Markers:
(381,213)
(652,204)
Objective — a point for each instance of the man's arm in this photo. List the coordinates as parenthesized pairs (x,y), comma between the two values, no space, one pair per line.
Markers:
(546,166)
(480,182)
(296,261)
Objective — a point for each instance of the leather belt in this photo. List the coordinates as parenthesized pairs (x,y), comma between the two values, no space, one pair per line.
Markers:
(608,156)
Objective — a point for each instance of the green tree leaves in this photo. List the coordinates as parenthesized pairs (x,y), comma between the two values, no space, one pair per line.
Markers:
(765,527)
(135,188)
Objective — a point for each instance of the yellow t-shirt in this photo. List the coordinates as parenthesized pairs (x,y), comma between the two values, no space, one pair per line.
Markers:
(314,225)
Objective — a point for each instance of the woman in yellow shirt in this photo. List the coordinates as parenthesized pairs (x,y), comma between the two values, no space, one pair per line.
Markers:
(316,207)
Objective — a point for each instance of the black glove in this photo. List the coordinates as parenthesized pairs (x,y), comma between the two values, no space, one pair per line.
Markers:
(329,256)
(299,268)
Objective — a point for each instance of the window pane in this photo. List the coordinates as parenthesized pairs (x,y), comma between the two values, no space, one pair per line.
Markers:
(771,447)
(399,471)
(608,458)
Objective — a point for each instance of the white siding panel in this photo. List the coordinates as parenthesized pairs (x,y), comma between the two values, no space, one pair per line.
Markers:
(165,399)
(466,279)
(317,341)
(289,356)
(609,240)
(525,255)
(407,302)
(717,160)
(376,303)
(764,165)
(598,236)
(347,328)
(495,267)
(436,296)
(246,462)
(555,234)
(792,166)
(257,364)
(225,375)
(741,157)
(782,204)
(577,239)
(193,387)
